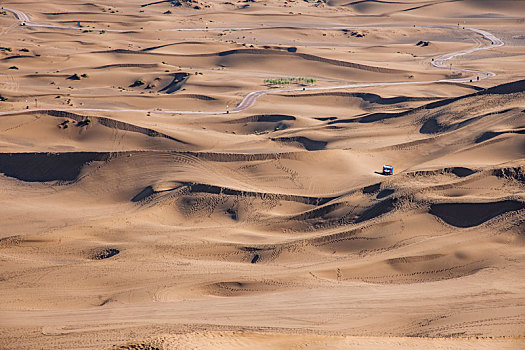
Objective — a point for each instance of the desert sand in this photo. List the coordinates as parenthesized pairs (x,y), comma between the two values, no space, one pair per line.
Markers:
(208,174)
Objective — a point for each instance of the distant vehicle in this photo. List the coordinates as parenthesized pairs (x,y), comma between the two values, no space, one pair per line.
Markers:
(23,23)
(388,170)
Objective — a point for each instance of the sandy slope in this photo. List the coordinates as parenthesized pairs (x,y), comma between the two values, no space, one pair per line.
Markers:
(271,227)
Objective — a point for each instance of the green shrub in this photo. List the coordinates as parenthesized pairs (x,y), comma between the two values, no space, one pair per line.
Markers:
(292,80)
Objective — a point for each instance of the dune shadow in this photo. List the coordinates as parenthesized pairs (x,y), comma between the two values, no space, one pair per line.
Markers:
(473,214)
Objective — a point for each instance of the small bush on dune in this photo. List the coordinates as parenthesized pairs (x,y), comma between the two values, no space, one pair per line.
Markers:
(84,122)
(74,77)
(138,82)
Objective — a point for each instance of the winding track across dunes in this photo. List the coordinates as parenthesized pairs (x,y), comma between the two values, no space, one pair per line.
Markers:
(495,42)
(252,97)
(26,21)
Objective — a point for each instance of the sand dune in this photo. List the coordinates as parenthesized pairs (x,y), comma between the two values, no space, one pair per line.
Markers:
(144,205)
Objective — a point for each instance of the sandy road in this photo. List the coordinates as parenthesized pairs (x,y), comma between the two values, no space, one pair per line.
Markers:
(21,16)
(495,42)
(250,99)
(439,62)
(26,21)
